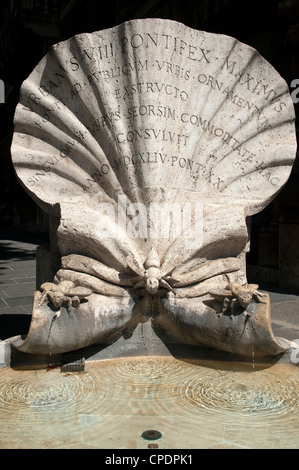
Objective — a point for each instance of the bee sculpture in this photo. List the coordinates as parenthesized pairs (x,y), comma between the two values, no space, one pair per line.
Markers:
(152,277)
(64,293)
(235,294)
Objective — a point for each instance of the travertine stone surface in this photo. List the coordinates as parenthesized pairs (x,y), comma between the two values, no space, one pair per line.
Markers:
(154,104)
(153,143)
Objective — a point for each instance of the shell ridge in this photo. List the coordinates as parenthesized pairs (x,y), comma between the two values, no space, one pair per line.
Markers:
(64,124)
(221,66)
(55,139)
(244,126)
(255,134)
(59,135)
(267,160)
(96,92)
(140,151)
(55,57)
(112,140)
(225,98)
(138,174)
(254,170)
(63,174)
(235,84)
(255,54)
(61,121)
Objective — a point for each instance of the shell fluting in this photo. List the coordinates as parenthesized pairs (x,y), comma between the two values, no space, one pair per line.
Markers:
(157,111)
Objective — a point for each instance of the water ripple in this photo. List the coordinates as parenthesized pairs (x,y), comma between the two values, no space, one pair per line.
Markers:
(260,394)
(44,392)
(62,409)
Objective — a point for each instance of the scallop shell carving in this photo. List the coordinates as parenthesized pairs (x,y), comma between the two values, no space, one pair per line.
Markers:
(152,112)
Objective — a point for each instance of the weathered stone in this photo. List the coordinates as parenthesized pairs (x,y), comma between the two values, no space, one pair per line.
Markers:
(47,264)
(152,143)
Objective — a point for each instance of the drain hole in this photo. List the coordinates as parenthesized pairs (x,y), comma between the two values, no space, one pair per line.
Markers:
(151,435)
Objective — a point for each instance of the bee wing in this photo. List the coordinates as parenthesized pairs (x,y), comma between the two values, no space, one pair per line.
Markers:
(96,268)
(80,292)
(183,257)
(221,293)
(253,286)
(135,264)
(117,251)
(207,270)
(47,286)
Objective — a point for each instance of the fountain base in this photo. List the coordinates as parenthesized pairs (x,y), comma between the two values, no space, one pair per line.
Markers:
(114,401)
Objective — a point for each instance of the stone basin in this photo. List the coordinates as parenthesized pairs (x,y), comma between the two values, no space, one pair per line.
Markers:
(193,398)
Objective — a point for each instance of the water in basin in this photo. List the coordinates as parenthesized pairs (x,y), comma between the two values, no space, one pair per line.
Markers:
(193,404)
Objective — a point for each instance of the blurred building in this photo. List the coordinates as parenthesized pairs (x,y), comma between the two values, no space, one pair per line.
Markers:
(29,27)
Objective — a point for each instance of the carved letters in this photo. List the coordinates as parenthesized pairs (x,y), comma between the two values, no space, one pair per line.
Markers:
(164,91)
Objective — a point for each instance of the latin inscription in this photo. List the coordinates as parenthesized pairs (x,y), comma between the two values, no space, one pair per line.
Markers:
(164,114)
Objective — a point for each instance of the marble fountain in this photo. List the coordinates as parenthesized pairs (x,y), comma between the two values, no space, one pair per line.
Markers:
(150,145)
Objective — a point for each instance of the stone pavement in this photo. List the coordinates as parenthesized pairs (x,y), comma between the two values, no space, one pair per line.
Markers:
(17,280)
(17,285)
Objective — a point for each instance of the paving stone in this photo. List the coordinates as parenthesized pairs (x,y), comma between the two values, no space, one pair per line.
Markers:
(25,280)
(10,276)
(25,300)
(5,270)
(287,312)
(284,332)
(3,304)
(16,310)
(8,284)
(23,262)
(28,308)
(5,282)
(277,297)
(20,267)
(18,290)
